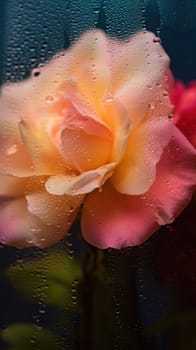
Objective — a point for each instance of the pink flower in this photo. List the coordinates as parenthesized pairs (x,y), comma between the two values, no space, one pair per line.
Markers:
(184,100)
(92,127)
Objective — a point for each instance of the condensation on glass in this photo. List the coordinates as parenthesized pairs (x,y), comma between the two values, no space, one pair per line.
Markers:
(72,296)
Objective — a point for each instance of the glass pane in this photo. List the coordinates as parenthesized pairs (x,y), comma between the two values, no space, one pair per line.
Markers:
(131,293)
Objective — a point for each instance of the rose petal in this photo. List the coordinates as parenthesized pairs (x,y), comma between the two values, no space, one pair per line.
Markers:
(56,211)
(137,170)
(177,92)
(17,227)
(43,82)
(139,67)
(14,158)
(176,179)
(11,186)
(45,157)
(110,219)
(41,220)
(85,143)
(185,110)
(118,120)
(84,66)
(90,66)
(81,184)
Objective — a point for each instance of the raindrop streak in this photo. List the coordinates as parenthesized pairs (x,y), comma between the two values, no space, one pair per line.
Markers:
(69,246)
(74,292)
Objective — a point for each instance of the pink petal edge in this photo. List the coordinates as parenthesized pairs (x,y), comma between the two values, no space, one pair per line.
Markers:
(111,219)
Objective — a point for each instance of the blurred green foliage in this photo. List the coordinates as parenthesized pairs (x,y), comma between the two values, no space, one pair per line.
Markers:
(28,336)
(48,279)
(49,282)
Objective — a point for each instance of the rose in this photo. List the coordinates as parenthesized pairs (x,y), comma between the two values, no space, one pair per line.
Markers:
(92,127)
(184,100)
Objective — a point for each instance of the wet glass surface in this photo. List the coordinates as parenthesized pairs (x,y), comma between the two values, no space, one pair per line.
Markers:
(74,296)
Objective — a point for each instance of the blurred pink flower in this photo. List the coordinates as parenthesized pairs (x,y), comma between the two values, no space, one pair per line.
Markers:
(184,100)
(92,127)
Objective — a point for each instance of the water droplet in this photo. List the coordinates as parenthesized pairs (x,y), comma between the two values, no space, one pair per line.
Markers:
(12,150)
(96,11)
(49,99)
(165,94)
(151,106)
(71,209)
(19,260)
(42,181)
(35,72)
(157,40)
(109,99)
(158,84)
(42,309)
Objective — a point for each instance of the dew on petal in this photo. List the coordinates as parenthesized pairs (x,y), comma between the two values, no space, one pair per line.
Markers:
(151,106)
(12,150)
(49,99)
(157,40)
(35,72)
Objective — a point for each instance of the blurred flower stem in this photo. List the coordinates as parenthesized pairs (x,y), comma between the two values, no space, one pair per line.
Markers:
(87,292)
(109,317)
